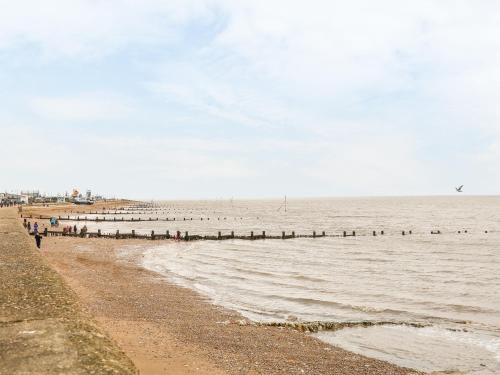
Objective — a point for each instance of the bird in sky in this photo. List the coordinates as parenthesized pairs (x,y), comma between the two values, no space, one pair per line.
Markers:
(459,189)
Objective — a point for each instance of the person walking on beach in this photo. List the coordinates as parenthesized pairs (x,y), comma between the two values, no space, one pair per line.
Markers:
(38,240)
(35,228)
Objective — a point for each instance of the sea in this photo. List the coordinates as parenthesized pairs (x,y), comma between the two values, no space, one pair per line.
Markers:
(429,299)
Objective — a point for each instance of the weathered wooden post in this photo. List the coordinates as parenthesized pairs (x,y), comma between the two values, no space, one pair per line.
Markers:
(152,234)
(403,233)
(293,234)
(45,232)
(232,234)
(323,234)
(251,235)
(117,234)
(345,234)
(374,233)
(263,234)
(353,233)
(282,235)
(219,235)
(382,232)
(98,233)
(168,234)
(133,232)
(314,234)
(186,236)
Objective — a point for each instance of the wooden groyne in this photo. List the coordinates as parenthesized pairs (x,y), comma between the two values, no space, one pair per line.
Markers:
(123,219)
(186,236)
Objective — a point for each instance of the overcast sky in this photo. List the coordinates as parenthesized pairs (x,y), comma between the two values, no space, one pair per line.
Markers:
(228,98)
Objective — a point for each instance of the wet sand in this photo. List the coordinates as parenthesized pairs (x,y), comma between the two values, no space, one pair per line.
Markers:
(165,328)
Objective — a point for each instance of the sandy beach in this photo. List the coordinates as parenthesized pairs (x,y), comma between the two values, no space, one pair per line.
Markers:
(165,328)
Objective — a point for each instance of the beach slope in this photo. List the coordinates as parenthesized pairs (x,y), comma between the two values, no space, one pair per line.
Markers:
(42,328)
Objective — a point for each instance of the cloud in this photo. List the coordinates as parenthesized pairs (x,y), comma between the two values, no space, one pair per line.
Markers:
(93,29)
(361,97)
(92,106)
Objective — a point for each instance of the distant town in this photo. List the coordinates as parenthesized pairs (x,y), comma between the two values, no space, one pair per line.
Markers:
(35,197)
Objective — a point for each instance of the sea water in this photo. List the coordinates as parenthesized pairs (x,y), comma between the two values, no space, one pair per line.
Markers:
(442,291)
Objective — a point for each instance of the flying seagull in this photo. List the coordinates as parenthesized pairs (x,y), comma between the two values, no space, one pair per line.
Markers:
(459,189)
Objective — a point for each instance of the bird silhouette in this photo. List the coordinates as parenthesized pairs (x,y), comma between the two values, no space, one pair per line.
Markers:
(459,189)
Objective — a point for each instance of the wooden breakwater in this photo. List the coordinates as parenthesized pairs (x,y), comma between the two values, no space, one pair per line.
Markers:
(123,219)
(185,236)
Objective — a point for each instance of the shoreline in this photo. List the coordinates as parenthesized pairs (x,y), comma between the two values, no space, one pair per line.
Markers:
(165,327)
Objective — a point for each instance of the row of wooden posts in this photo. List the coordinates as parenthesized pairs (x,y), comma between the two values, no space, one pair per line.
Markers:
(219,236)
(96,219)
(188,237)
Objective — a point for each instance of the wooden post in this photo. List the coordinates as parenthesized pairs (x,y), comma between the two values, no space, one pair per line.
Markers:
(293,234)
(168,234)
(133,232)
(409,232)
(263,234)
(45,232)
(282,235)
(117,234)
(152,234)
(314,234)
(353,233)
(98,233)
(219,236)
(232,234)
(186,236)
(251,235)
(382,232)
(403,233)
(345,234)
(374,233)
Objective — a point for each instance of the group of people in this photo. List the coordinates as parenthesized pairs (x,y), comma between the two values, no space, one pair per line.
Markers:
(8,204)
(36,233)
(70,229)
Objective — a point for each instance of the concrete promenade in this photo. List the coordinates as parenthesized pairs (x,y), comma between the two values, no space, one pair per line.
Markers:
(42,327)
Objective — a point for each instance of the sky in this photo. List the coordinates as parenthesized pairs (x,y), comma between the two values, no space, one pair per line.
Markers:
(194,99)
